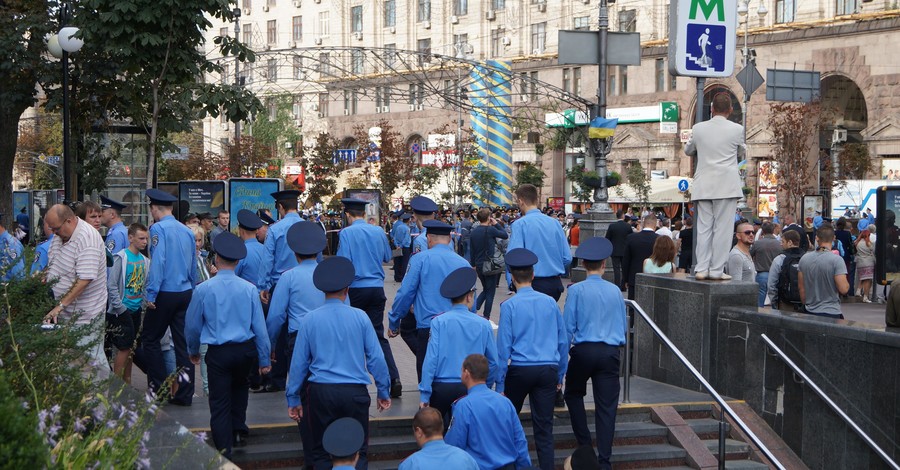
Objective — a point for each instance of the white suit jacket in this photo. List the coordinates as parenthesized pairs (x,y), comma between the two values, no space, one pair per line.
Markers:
(716,143)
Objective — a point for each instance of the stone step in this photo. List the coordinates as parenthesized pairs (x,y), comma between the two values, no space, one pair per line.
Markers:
(734,450)
(745,465)
(706,428)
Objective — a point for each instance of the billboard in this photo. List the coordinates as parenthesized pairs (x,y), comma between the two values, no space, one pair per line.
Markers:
(767,189)
(373,208)
(887,242)
(251,194)
(201,196)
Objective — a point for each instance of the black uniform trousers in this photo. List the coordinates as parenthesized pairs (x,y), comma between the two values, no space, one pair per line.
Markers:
(305,430)
(598,362)
(372,300)
(400,263)
(281,366)
(539,384)
(422,336)
(617,271)
(551,286)
(408,332)
(169,313)
(443,394)
(228,366)
(329,402)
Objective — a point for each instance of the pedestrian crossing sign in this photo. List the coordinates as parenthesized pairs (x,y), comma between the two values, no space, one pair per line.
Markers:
(702,37)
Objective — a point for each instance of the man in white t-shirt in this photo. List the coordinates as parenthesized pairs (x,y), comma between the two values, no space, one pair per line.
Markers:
(665,228)
(77,262)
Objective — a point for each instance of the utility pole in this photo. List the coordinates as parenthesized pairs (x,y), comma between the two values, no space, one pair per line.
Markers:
(600,147)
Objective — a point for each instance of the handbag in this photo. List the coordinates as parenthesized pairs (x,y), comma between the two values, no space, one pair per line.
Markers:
(495,263)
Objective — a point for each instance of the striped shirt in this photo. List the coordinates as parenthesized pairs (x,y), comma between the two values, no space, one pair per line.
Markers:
(82,257)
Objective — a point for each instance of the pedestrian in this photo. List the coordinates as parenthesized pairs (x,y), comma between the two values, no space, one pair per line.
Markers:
(865,264)
(763,251)
(790,224)
(428,429)
(12,259)
(89,211)
(225,313)
(617,233)
(125,293)
(485,424)
(740,264)
(455,334)
(638,247)
(483,244)
(846,241)
(783,286)
(336,350)
(402,241)
(662,260)
(264,230)
(532,351)
(685,245)
(77,268)
(110,217)
(892,310)
(367,247)
(170,284)
(422,285)
(205,267)
(342,440)
(596,324)
(223,219)
(24,224)
(255,266)
(41,252)
(665,228)
(207,223)
(823,278)
(543,236)
(716,187)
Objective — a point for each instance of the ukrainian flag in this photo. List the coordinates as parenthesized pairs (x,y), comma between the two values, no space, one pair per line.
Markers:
(601,128)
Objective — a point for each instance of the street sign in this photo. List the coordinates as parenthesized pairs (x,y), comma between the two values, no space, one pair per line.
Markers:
(683,185)
(750,79)
(582,47)
(668,117)
(344,156)
(702,37)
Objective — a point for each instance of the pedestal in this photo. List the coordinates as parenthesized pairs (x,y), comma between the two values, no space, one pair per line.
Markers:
(593,224)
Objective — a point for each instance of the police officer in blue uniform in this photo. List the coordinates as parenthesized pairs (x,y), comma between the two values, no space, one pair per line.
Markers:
(455,334)
(596,324)
(12,263)
(337,349)
(402,239)
(485,424)
(225,313)
(342,441)
(422,286)
(255,267)
(532,351)
(424,209)
(428,428)
(110,216)
(264,230)
(170,282)
(282,259)
(366,246)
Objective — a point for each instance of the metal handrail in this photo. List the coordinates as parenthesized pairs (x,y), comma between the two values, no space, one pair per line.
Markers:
(699,377)
(878,450)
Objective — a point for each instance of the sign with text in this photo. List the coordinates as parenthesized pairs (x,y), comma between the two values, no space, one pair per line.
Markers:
(251,194)
(767,188)
(887,241)
(702,37)
(201,196)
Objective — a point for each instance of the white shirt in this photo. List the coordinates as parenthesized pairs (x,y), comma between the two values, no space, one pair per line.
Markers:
(82,257)
(664,231)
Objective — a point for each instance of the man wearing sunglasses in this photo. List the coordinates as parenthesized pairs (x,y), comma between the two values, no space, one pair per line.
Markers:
(740,263)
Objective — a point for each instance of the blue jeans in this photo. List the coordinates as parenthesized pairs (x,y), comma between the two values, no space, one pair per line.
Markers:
(763,280)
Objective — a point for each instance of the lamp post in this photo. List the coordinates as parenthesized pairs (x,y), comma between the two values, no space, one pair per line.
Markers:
(601,147)
(60,46)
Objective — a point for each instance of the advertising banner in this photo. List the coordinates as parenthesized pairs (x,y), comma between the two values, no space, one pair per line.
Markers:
(201,196)
(767,189)
(251,194)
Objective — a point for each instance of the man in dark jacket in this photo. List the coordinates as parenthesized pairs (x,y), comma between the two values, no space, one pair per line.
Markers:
(638,247)
(617,232)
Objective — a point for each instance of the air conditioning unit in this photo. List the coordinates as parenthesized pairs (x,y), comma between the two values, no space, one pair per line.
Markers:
(292,44)
(268,47)
(412,107)
(317,1)
(315,107)
(542,7)
(318,41)
(537,52)
(297,3)
(420,107)
(298,123)
(321,115)
(288,145)
(385,109)
(491,15)
(346,112)
(505,41)
(224,126)
(358,36)
(377,110)
(265,7)
(247,11)
(524,98)
(587,2)
(426,24)
(393,30)
(454,19)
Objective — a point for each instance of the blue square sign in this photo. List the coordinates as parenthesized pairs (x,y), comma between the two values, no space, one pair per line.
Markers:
(705,44)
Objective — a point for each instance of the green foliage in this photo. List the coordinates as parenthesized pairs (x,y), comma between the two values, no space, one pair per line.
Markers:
(395,167)
(278,130)
(320,168)
(855,162)
(425,179)
(637,178)
(581,191)
(484,182)
(530,174)
(20,444)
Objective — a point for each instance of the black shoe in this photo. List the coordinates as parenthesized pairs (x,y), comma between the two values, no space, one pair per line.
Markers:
(176,402)
(274,388)
(396,388)
(257,388)
(239,440)
(560,402)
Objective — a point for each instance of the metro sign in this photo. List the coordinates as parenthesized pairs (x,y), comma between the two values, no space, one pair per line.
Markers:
(702,37)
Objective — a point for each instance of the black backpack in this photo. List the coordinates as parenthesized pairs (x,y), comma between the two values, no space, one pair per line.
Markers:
(789,281)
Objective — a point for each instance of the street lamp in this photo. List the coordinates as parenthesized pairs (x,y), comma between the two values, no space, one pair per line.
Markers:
(60,46)
(463,52)
(749,61)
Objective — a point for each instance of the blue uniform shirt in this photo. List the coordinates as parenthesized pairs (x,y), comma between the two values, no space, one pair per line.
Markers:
(455,334)
(420,242)
(422,285)
(367,247)
(117,238)
(543,236)
(485,425)
(595,313)
(296,297)
(439,454)
(226,309)
(336,344)
(280,254)
(41,256)
(400,235)
(22,220)
(525,335)
(173,253)
(12,263)
(255,267)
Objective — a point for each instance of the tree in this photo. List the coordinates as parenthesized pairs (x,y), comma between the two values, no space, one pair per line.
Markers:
(484,182)
(455,160)
(40,136)
(250,158)
(795,128)
(321,169)
(636,177)
(580,190)
(387,166)
(530,174)
(277,128)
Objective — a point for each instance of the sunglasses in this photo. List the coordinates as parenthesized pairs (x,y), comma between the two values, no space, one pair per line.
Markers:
(748,232)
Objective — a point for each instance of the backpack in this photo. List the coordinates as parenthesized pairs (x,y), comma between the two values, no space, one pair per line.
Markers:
(789,281)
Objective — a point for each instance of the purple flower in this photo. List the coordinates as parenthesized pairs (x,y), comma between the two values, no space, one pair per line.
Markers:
(183,376)
(143,463)
(79,426)
(201,436)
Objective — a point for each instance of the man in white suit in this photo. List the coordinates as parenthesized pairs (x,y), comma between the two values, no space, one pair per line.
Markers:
(717,187)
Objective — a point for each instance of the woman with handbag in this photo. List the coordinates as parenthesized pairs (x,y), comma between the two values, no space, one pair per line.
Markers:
(487,258)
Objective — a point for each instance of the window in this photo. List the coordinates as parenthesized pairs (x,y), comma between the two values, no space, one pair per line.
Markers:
(323,104)
(248,34)
(538,37)
(534,82)
(460,7)
(449,92)
(270,3)
(383,97)
(324,65)
(226,73)
(576,81)
(528,86)
(567,80)
(297,108)
(356,15)
(660,71)
(623,78)
(271,70)
(846,7)
(498,4)
(416,94)
(582,22)
(324,28)
(357,61)
(246,4)
(627,20)
(423,47)
(460,45)
(423,12)
(298,68)
(223,32)
(611,89)
(297,28)
(272,109)
(271,32)
(497,42)
(390,54)
(390,13)
(785,10)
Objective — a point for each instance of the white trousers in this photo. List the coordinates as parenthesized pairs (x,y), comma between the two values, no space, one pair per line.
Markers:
(714,227)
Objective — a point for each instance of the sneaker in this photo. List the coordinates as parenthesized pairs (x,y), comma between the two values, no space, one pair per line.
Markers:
(866,300)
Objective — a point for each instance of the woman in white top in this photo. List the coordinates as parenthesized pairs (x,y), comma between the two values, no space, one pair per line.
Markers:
(663,258)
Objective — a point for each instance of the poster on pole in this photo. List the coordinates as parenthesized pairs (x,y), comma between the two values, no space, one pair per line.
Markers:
(767,189)
(812,203)
(373,208)
(887,241)
(251,194)
(201,196)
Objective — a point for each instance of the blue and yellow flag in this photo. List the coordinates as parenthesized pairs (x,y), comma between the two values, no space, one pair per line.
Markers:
(601,128)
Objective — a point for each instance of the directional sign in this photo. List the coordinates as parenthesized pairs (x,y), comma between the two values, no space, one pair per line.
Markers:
(344,156)
(683,185)
(702,37)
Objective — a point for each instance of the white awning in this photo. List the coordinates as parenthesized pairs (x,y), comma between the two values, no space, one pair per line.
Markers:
(662,191)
